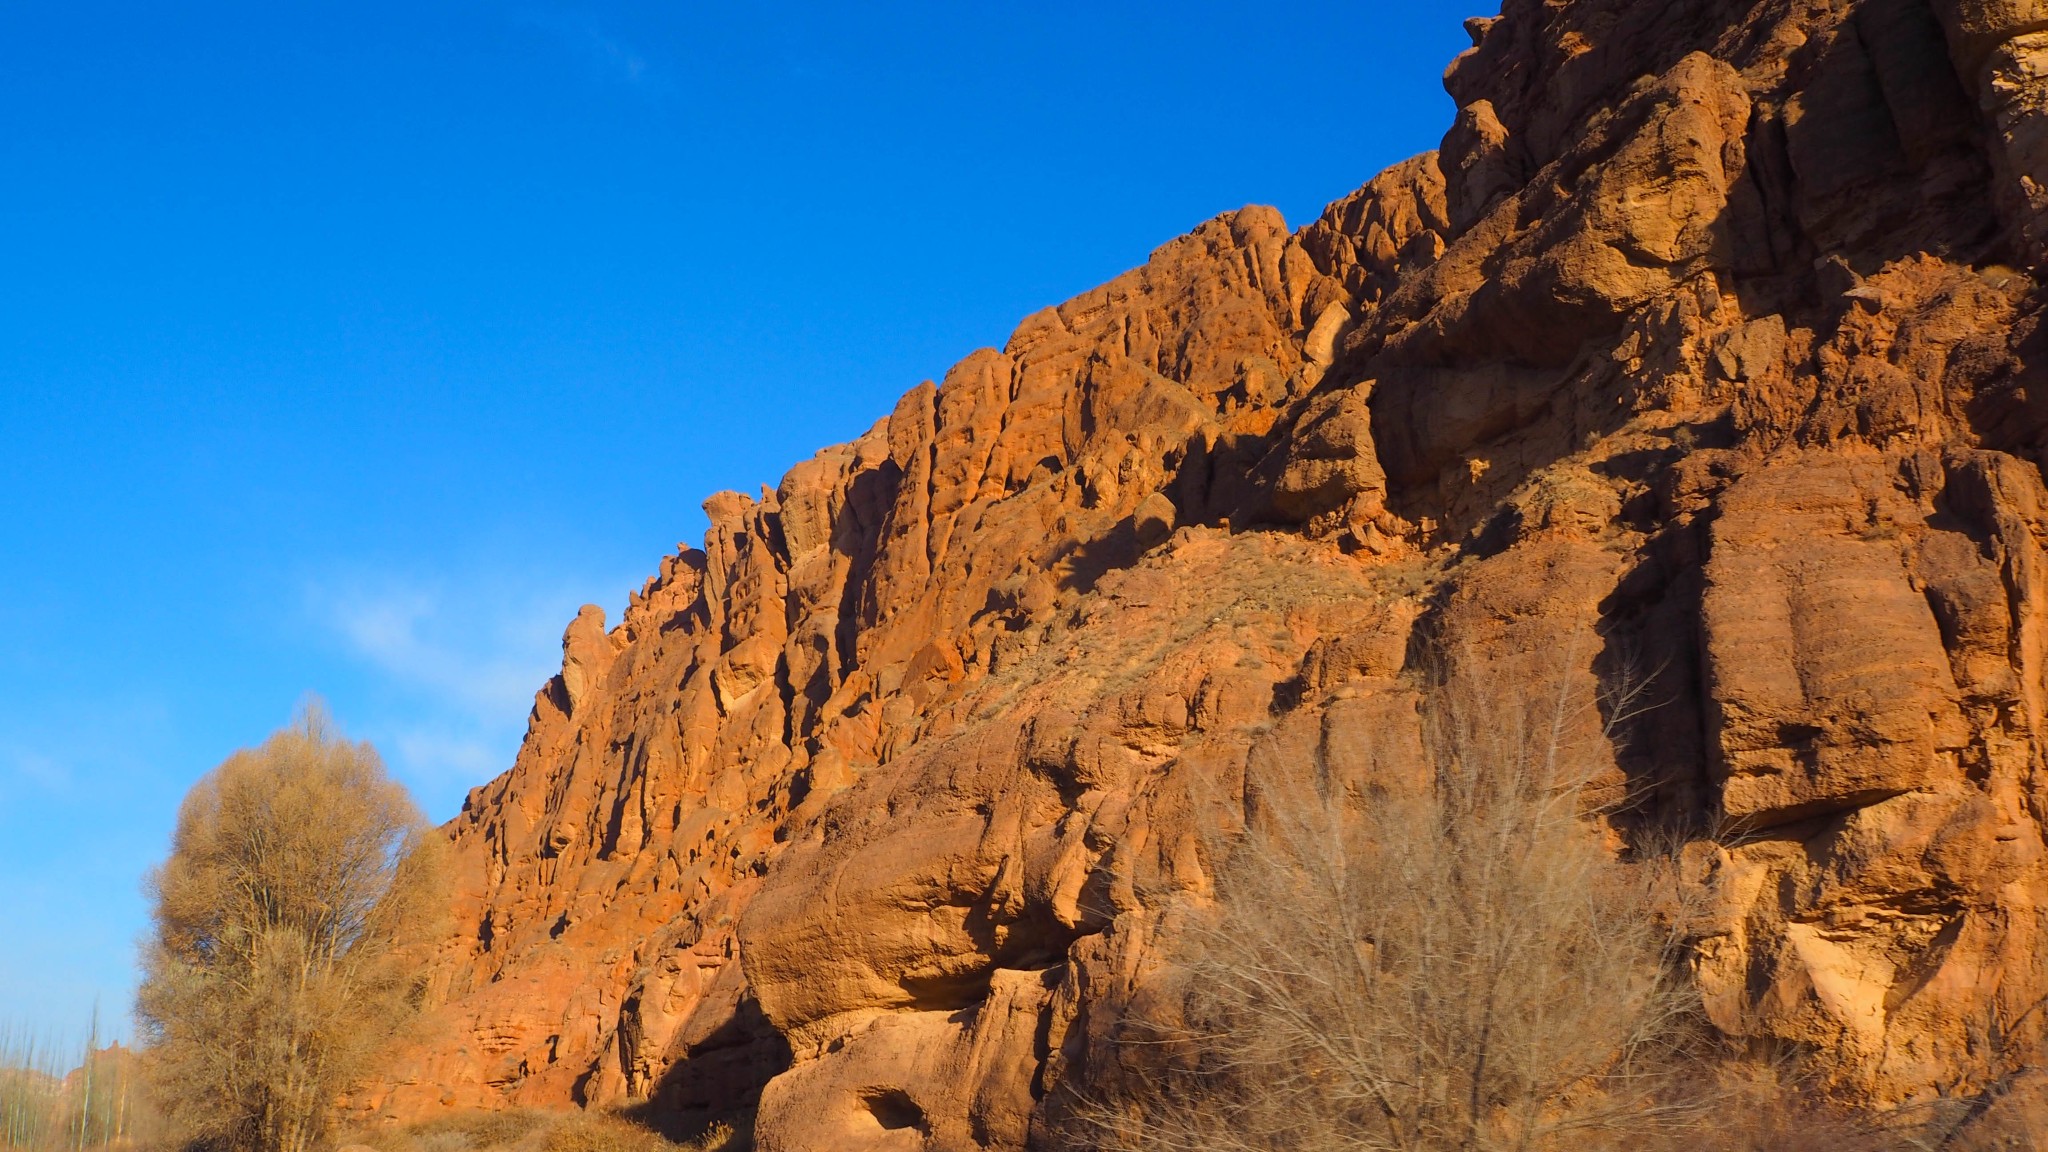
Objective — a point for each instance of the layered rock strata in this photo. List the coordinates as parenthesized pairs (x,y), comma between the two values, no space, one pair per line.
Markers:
(1706,348)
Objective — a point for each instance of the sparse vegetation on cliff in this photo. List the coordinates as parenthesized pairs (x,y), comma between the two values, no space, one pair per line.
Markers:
(275,976)
(1456,960)
(1469,958)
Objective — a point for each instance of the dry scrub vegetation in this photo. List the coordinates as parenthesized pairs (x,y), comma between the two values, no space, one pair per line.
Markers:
(1466,955)
(522,1130)
(300,878)
(297,872)
(1470,959)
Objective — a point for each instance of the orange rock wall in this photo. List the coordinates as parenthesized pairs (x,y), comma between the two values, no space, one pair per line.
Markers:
(1705,348)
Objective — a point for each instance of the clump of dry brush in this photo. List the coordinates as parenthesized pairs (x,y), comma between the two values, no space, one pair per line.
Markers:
(1466,958)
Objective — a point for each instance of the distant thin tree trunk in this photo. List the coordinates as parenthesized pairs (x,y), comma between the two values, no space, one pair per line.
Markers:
(92,1047)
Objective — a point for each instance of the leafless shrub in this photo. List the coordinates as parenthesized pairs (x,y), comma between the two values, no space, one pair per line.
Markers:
(1461,960)
(274,976)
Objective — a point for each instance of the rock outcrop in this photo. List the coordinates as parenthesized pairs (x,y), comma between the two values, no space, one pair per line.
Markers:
(1707,347)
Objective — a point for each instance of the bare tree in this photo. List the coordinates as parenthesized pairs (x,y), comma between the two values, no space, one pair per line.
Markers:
(297,871)
(1459,960)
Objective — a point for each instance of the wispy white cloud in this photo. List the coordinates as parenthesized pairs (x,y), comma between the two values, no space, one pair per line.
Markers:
(477,653)
(473,758)
(622,61)
(608,56)
(67,751)
(453,665)
(37,770)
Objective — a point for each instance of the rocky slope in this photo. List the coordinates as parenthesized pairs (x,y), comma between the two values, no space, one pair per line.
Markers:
(1707,346)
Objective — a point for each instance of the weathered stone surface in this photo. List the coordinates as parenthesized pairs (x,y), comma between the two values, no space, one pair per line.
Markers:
(1704,356)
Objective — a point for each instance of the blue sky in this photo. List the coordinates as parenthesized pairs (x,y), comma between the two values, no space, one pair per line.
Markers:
(347,349)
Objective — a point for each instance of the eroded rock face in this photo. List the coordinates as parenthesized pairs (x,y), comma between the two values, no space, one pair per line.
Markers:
(1707,347)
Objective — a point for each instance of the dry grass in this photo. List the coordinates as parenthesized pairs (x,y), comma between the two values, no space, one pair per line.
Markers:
(523,1130)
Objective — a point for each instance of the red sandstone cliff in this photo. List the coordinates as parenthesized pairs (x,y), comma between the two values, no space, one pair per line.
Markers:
(1709,334)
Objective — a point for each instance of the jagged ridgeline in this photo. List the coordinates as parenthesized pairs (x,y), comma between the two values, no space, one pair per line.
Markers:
(1703,356)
